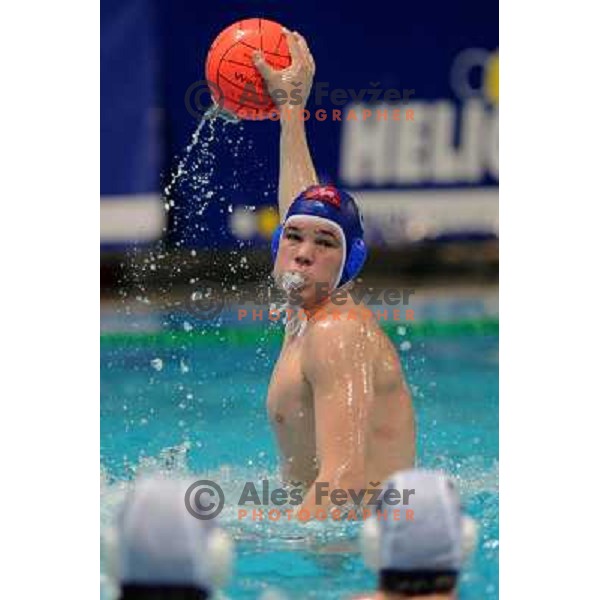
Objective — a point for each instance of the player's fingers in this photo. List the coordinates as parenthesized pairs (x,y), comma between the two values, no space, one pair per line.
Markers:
(311,62)
(294,48)
(305,51)
(261,64)
(302,44)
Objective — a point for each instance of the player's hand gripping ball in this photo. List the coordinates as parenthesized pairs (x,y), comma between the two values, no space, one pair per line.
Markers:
(230,68)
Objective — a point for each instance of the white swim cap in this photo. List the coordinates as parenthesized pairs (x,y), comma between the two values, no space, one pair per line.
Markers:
(157,542)
(430,547)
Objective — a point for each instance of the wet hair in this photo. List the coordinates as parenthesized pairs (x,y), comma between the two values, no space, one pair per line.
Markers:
(417,583)
(162,592)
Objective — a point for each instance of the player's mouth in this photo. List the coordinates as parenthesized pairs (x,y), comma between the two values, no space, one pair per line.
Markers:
(293,281)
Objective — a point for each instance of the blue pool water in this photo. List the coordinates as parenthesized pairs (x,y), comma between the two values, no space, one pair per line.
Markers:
(198,409)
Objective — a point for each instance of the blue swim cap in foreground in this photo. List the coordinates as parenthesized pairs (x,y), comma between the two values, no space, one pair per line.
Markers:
(338,208)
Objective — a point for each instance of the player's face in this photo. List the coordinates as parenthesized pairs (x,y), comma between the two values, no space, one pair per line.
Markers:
(315,251)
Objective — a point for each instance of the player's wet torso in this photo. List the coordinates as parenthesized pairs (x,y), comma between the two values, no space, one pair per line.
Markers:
(389,429)
(291,412)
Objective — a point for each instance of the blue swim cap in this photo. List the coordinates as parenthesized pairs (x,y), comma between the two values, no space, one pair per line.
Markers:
(339,208)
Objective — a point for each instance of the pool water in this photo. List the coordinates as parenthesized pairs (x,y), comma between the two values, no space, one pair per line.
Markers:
(195,405)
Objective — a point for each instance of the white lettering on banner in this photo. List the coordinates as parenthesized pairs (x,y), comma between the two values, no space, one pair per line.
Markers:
(423,150)
(364,149)
(493,144)
(408,158)
(473,137)
(445,159)
(465,163)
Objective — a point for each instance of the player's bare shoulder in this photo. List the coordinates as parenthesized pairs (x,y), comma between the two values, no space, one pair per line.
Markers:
(331,339)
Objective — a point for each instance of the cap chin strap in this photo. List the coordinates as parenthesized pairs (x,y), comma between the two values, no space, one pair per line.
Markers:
(370,541)
(340,234)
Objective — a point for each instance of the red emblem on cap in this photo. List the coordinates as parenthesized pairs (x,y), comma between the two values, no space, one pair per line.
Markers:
(325,193)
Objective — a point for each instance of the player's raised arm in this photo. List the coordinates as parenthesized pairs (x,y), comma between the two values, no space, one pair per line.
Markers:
(296,169)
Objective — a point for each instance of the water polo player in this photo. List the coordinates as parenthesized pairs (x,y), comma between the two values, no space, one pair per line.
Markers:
(338,401)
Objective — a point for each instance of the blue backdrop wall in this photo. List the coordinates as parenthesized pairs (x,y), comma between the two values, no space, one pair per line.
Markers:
(436,176)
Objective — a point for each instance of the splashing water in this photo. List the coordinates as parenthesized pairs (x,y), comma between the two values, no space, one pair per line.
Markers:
(193,194)
(172,463)
(458,437)
(291,281)
(213,113)
(181,166)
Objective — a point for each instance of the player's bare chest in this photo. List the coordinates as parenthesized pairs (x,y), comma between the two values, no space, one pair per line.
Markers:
(289,392)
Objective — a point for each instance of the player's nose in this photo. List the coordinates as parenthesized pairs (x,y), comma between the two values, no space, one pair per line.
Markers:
(304,255)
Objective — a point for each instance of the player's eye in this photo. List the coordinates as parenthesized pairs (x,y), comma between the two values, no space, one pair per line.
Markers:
(292,235)
(326,243)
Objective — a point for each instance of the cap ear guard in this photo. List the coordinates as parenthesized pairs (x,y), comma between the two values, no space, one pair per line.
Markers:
(370,537)
(355,261)
(275,241)
(220,556)
(470,531)
(109,548)
(370,540)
